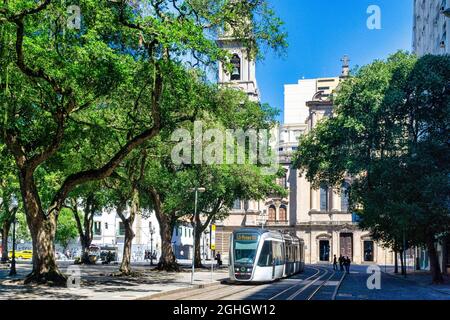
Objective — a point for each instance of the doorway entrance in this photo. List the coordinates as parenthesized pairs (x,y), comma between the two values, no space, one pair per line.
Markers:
(324,250)
(346,245)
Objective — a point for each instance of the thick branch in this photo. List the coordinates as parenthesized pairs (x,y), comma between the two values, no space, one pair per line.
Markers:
(54,145)
(105,171)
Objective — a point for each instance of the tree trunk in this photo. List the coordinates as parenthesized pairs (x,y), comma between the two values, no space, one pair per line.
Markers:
(5,232)
(200,228)
(402,262)
(87,237)
(434,263)
(167,260)
(198,237)
(396,261)
(125,266)
(85,245)
(43,229)
(85,232)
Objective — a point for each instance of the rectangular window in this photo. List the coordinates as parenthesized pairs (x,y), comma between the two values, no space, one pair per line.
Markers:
(278,255)
(237,204)
(245,246)
(368,250)
(266,257)
(121,228)
(324,198)
(97,228)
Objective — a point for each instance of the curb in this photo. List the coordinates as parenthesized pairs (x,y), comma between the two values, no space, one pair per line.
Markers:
(169,292)
(333,297)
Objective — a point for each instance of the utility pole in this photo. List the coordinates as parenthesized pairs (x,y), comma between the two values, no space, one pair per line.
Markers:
(152,231)
(13,207)
(196,190)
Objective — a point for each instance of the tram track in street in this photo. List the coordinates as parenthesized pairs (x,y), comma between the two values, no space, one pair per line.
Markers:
(303,291)
(323,288)
(300,285)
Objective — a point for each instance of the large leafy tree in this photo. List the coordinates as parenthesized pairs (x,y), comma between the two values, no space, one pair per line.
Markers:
(390,133)
(170,187)
(124,197)
(117,64)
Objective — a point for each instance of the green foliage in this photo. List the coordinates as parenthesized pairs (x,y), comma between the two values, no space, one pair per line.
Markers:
(389,133)
(75,103)
(67,228)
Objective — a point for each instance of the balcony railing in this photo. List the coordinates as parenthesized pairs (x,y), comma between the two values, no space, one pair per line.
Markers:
(277,222)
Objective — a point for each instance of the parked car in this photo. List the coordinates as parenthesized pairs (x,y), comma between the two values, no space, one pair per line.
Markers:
(22,254)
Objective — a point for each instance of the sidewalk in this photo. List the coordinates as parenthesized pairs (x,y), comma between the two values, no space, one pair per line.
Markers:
(420,277)
(98,283)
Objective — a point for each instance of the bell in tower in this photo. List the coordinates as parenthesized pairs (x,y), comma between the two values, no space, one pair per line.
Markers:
(236,73)
(242,75)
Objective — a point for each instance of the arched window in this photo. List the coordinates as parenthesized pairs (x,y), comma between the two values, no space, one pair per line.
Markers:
(283,213)
(236,71)
(324,198)
(344,196)
(272,213)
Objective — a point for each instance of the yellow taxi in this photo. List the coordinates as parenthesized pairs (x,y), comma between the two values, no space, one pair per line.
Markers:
(22,254)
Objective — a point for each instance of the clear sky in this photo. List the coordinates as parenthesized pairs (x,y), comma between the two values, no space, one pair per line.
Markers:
(320,32)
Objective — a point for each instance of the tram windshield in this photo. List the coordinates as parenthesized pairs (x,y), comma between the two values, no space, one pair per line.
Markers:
(245,245)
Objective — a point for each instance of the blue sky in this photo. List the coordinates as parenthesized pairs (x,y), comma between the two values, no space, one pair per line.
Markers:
(321,32)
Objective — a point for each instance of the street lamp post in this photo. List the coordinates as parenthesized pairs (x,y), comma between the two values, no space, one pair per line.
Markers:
(203,252)
(196,190)
(13,207)
(152,231)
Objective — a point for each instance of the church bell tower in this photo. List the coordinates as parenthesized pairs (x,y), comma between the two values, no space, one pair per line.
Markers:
(243,73)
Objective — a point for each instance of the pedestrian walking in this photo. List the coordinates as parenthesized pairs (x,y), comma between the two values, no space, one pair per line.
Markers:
(347,264)
(219,260)
(341,262)
(334,263)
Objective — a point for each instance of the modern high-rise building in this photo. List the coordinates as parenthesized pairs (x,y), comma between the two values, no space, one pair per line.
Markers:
(431,27)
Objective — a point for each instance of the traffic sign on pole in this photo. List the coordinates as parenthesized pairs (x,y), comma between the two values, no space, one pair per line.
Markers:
(213,237)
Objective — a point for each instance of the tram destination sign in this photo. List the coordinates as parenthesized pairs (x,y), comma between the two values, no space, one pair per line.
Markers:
(246,237)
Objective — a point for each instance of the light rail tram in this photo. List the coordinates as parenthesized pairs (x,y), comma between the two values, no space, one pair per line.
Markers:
(260,255)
